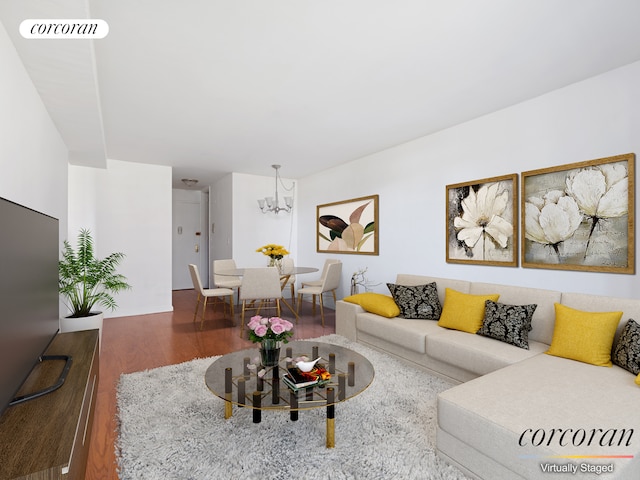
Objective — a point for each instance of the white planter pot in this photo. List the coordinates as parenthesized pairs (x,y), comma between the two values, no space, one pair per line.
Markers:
(93,322)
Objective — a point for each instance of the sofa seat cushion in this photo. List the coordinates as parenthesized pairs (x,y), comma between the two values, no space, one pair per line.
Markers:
(408,333)
(491,414)
(476,353)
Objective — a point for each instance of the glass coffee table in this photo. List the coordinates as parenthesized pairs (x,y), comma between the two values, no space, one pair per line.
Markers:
(232,379)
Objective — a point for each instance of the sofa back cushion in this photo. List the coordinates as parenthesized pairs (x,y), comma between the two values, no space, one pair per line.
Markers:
(441,283)
(595,303)
(543,319)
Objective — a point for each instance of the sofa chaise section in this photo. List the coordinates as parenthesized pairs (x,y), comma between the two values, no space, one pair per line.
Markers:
(487,426)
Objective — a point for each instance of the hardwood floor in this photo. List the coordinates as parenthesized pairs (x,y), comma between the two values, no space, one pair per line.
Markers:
(131,344)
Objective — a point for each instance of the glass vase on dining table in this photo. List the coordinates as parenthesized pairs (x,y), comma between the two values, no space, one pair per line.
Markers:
(277,262)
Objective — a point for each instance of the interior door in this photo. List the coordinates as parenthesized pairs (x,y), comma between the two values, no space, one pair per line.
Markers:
(187,244)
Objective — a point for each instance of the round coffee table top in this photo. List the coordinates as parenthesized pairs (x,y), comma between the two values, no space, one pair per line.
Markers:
(274,392)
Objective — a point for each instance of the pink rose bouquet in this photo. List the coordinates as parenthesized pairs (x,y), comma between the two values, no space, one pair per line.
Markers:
(272,328)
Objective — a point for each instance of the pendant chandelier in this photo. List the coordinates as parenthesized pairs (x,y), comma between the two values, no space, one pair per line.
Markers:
(272,204)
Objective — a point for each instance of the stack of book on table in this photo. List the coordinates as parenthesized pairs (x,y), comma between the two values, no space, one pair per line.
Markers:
(297,379)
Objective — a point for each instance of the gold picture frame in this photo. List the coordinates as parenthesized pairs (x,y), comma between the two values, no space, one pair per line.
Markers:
(350,226)
(580,216)
(482,221)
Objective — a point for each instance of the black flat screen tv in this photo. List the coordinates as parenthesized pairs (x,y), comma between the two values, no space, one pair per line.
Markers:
(29,301)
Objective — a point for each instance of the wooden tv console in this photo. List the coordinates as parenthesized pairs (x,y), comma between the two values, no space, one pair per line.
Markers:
(48,437)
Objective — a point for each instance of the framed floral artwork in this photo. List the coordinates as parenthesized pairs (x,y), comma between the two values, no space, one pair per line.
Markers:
(482,221)
(580,216)
(349,226)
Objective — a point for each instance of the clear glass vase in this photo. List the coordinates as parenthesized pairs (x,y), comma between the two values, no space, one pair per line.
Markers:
(269,352)
(276,262)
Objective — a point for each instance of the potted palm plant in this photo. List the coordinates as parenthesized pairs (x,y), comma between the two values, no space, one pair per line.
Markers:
(85,281)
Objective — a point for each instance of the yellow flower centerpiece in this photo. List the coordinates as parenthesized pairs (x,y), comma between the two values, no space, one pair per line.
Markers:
(275,253)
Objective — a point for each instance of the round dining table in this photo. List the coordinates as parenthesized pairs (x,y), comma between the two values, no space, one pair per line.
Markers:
(238,272)
(285,275)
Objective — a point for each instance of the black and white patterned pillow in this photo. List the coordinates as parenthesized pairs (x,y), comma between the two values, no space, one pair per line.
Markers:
(507,323)
(627,351)
(419,301)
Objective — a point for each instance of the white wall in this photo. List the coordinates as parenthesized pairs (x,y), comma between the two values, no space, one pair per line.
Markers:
(83,201)
(129,211)
(596,118)
(252,228)
(221,216)
(33,158)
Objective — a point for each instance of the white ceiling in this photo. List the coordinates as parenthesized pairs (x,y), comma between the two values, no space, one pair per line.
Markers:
(214,86)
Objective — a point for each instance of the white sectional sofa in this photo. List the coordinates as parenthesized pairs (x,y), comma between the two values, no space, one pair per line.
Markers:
(506,417)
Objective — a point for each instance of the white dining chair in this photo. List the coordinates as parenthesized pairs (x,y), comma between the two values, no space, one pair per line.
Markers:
(287,266)
(318,282)
(204,294)
(260,290)
(330,283)
(226,281)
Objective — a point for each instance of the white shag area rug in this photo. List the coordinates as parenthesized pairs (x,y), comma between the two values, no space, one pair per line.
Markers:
(172,427)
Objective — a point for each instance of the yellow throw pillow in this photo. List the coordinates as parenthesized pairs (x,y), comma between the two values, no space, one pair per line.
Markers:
(378,303)
(584,336)
(463,311)
(638,379)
